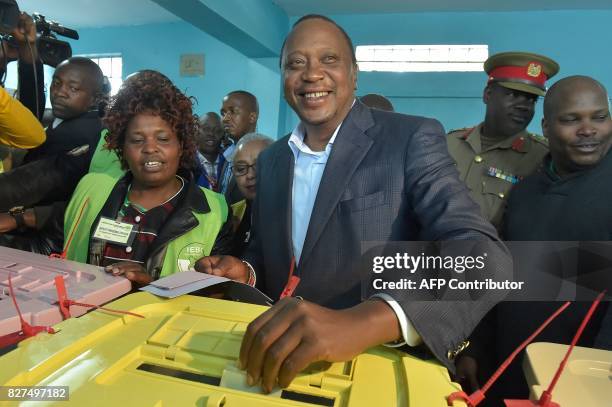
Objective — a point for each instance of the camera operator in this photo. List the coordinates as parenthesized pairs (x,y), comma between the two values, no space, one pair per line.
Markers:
(23,47)
(18,127)
(30,67)
(59,173)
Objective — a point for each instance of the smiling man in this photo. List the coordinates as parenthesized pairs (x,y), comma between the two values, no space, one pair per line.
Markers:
(579,129)
(347,174)
(209,151)
(566,199)
(496,154)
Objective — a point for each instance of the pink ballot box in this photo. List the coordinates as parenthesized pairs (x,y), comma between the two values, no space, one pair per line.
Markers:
(33,280)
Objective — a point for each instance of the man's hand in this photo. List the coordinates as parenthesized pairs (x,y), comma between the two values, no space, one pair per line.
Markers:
(467,374)
(25,33)
(224,266)
(7,223)
(295,333)
(132,271)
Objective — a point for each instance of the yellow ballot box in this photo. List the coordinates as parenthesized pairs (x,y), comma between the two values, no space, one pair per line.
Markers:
(184,352)
(586,380)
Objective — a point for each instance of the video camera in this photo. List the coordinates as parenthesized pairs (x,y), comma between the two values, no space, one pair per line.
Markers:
(51,50)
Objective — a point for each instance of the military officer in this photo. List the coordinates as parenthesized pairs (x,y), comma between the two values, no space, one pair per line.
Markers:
(496,154)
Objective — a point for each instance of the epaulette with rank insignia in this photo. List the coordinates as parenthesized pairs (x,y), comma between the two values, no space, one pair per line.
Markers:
(540,139)
(466,131)
(461,129)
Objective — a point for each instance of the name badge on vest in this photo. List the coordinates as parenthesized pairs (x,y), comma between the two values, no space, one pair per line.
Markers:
(113,231)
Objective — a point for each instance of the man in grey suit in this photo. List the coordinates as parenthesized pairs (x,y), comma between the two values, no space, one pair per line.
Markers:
(347,174)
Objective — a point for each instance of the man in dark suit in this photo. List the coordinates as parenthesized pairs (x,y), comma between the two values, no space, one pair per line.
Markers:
(239,114)
(568,198)
(347,174)
(75,91)
(210,155)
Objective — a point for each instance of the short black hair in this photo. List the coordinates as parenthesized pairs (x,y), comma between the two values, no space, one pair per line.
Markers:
(377,101)
(550,100)
(250,98)
(324,18)
(91,69)
(212,116)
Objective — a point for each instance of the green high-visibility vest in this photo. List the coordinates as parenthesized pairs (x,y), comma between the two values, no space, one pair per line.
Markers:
(181,253)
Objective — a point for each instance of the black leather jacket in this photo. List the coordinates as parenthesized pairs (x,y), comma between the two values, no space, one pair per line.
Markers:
(180,221)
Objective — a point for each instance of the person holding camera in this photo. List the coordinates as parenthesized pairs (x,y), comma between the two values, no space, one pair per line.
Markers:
(19,128)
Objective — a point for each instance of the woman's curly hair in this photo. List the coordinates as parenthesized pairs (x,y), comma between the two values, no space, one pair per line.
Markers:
(153,93)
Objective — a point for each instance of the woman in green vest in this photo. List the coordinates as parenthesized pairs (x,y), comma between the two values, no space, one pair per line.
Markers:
(155,220)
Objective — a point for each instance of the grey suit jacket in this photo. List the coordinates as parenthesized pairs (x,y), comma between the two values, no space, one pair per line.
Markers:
(389,177)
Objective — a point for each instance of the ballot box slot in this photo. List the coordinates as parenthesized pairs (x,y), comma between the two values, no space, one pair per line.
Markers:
(307,398)
(348,367)
(180,374)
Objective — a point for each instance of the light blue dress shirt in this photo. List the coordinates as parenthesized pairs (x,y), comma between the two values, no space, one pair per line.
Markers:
(307,172)
(224,179)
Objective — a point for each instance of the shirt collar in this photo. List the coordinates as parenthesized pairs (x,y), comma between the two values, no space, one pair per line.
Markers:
(474,138)
(549,167)
(297,144)
(229,151)
(56,122)
(203,159)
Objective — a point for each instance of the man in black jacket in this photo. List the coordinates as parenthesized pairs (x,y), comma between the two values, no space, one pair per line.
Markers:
(75,91)
(239,114)
(567,199)
(569,196)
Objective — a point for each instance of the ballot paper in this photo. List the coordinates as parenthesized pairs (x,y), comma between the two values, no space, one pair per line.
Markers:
(191,281)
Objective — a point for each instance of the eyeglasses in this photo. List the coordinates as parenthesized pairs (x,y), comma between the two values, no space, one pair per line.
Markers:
(242,169)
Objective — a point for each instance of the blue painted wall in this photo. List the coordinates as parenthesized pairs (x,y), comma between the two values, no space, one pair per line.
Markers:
(578,40)
(159,46)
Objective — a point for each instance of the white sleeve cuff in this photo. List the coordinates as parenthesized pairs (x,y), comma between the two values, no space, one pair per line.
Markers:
(252,276)
(409,334)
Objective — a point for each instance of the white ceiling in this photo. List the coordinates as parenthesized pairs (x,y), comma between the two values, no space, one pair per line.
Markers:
(99,13)
(102,13)
(301,7)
